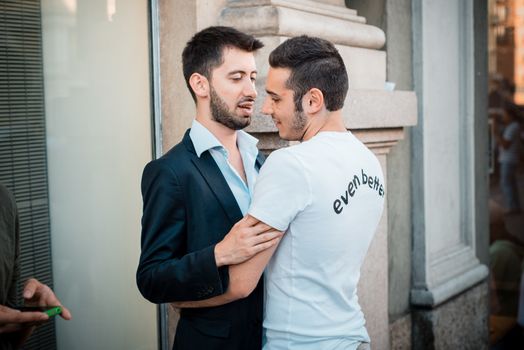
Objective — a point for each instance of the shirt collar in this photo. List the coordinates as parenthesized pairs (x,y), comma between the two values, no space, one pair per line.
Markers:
(204,140)
(247,143)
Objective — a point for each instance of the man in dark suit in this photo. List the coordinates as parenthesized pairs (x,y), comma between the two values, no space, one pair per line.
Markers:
(196,195)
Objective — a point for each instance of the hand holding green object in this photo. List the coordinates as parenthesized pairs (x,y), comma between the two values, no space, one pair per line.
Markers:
(50,311)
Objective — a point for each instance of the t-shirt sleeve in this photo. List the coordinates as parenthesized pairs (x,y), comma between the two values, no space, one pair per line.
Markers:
(282,190)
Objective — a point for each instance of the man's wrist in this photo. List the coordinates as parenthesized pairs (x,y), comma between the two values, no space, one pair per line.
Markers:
(219,259)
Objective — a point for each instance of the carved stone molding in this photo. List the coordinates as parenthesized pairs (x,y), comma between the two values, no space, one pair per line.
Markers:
(337,24)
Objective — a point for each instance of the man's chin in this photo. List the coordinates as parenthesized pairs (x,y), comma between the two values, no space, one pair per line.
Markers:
(243,121)
(283,136)
(239,125)
(288,136)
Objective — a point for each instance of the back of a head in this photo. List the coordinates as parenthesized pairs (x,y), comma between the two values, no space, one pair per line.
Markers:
(204,51)
(314,63)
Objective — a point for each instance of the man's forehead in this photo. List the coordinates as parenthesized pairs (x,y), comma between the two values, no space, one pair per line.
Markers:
(277,78)
(234,59)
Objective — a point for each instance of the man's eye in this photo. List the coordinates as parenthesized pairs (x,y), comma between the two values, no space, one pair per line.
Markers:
(253,79)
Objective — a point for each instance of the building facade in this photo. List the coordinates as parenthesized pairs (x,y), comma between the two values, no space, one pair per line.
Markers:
(115,98)
(425,275)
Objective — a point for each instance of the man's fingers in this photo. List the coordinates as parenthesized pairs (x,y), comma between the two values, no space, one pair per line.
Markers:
(266,245)
(262,227)
(256,230)
(267,236)
(49,299)
(25,317)
(66,314)
(30,288)
(248,220)
(8,315)
(22,317)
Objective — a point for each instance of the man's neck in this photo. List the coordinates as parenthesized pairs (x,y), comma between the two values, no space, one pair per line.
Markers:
(226,136)
(331,121)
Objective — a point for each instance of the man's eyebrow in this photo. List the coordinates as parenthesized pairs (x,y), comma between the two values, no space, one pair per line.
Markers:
(241,72)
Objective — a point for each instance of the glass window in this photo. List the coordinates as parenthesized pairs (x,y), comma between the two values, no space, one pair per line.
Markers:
(98,120)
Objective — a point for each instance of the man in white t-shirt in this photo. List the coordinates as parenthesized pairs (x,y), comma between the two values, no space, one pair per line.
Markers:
(327,193)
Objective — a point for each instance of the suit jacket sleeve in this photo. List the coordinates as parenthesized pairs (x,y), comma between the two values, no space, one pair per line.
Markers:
(167,272)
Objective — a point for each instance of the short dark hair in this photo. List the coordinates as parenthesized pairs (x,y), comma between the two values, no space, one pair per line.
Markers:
(204,51)
(314,63)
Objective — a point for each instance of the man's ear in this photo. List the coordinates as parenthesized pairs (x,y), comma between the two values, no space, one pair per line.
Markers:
(313,101)
(199,84)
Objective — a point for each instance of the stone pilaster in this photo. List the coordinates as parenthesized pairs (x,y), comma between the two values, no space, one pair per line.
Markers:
(448,282)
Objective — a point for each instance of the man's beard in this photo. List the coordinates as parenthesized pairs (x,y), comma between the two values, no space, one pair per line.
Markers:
(299,122)
(221,114)
(298,125)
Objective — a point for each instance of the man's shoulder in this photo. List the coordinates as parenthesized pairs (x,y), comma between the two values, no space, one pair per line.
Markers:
(173,161)
(281,153)
(178,151)
(303,151)
(284,160)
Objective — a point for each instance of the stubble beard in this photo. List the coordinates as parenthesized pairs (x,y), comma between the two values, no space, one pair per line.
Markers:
(221,113)
(298,125)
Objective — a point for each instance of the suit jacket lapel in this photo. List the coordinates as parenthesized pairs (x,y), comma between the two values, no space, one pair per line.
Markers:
(259,161)
(210,171)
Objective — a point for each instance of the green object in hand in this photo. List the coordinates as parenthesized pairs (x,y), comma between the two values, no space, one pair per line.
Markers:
(55,310)
(48,310)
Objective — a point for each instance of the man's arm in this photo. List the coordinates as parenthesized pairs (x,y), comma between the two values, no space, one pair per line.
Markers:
(243,278)
(18,326)
(281,192)
(167,272)
(247,238)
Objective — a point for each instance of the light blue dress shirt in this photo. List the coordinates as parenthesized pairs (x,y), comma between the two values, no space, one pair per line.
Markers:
(204,140)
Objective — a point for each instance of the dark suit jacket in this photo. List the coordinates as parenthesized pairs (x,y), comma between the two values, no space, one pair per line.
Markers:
(188,208)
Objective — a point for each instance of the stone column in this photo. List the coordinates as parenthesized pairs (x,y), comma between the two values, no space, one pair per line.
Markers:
(373,114)
(447,184)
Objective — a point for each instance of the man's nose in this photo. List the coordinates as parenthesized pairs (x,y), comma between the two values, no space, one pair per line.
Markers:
(250,89)
(266,106)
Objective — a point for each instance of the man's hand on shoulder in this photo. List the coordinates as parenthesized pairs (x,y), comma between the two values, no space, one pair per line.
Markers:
(247,238)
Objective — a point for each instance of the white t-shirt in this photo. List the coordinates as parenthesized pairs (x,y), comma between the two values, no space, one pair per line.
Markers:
(512,153)
(328,193)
